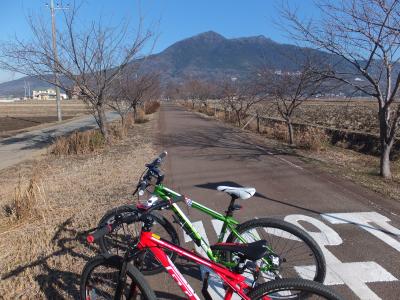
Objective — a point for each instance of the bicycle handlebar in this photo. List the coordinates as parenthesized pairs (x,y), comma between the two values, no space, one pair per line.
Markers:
(106,229)
(91,238)
(153,171)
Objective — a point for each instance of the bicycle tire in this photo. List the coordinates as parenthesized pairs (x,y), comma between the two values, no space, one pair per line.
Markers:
(305,287)
(153,266)
(289,228)
(113,262)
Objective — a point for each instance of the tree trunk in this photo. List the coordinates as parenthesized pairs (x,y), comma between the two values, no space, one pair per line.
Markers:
(102,122)
(238,119)
(290,130)
(386,146)
(258,123)
(385,160)
(123,121)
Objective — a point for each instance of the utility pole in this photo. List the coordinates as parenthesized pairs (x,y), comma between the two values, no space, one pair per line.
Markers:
(57,79)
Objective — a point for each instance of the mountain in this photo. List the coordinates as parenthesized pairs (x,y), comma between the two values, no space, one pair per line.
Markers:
(211,56)
(208,56)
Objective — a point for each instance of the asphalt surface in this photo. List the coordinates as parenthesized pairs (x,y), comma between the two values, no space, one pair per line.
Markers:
(358,230)
(26,145)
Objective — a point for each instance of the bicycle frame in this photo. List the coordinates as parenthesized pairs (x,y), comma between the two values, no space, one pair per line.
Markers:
(229,223)
(235,282)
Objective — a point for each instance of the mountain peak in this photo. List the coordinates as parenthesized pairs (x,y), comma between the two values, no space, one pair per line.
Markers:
(255,39)
(210,35)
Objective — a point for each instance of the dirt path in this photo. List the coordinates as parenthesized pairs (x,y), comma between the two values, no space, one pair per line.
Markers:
(361,236)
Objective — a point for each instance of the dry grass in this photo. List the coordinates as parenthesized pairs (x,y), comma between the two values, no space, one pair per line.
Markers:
(360,168)
(311,138)
(140,116)
(151,107)
(43,258)
(28,201)
(90,141)
(78,143)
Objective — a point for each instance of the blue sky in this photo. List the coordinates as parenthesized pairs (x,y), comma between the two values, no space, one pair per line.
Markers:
(172,19)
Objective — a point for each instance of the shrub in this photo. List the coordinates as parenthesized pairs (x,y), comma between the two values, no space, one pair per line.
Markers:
(129,120)
(151,107)
(118,131)
(78,143)
(312,138)
(140,116)
(278,131)
(27,202)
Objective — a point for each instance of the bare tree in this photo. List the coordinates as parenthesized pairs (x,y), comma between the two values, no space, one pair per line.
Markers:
(89,60)
(131,90)
(240,97)
(365,37)
(289,90)
(198,91)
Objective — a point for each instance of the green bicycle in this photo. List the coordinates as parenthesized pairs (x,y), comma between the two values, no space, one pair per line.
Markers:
(292,252)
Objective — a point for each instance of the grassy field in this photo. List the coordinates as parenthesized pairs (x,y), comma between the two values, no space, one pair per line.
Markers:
(354,115)
(42,254)
(17,116)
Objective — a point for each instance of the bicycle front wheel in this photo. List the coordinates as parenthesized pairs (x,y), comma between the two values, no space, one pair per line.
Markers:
(99,281)
(299,255)
(117,241)
(293,289)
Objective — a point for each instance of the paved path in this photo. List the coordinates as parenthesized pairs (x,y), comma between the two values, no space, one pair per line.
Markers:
(25,145)
(360,237)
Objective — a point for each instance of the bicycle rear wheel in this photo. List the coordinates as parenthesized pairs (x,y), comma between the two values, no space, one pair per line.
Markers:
(293,289)
(99,281)
(299,255)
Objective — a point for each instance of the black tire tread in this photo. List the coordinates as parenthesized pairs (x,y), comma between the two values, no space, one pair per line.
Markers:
(308,286)
(286,226)
(116,262)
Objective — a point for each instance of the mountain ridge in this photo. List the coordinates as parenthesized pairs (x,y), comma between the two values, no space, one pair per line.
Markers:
(206,56)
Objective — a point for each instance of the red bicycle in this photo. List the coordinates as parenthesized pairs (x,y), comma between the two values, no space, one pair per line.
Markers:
(124,282)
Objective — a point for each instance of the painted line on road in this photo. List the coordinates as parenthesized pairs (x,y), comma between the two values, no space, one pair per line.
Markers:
(280,158)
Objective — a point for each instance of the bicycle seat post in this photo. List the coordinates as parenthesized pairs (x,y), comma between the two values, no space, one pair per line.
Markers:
(232,206)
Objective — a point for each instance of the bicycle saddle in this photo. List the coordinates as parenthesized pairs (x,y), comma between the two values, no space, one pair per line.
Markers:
(251,251)
(240,192)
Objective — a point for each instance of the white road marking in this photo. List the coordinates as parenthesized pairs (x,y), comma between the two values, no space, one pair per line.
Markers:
(366,221)
(280,158)
(215,287)
(354,274)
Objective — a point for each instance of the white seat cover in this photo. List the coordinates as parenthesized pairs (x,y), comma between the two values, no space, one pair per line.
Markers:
(241,192)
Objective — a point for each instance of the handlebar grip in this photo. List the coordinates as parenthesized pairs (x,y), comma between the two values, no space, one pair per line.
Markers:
(142,187)
(91,238)
(163,155)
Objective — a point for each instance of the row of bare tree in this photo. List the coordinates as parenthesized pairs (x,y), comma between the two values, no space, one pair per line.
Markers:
(287,91)
(95,63)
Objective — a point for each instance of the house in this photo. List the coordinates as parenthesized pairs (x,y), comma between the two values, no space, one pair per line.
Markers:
(48,94)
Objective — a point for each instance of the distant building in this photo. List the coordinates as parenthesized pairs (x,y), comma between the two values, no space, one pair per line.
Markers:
(48,94)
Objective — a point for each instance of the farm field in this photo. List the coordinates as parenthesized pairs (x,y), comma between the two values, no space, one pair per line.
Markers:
(354,115)
(17,116)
